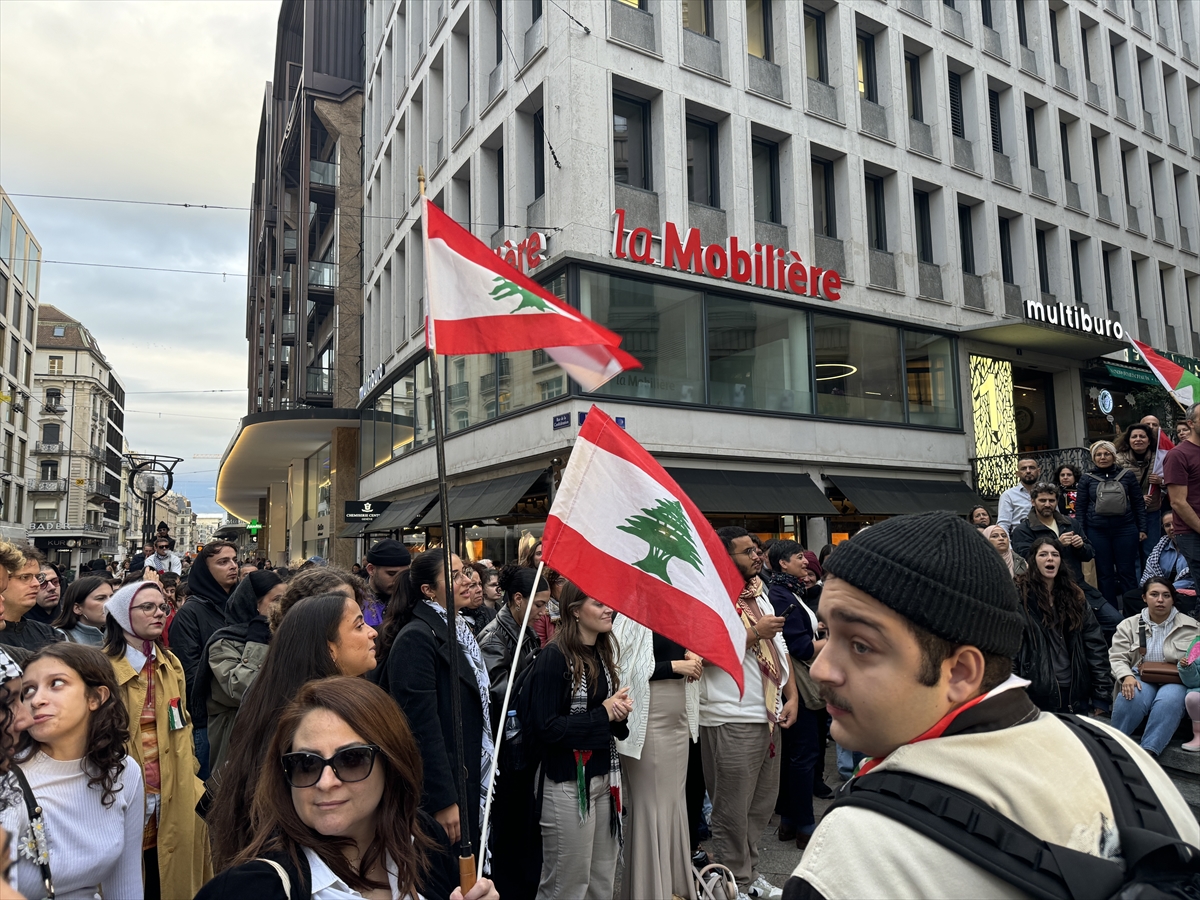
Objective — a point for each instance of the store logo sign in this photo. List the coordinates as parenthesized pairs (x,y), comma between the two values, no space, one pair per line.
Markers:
(1072,317)
(764,265)
(370,382)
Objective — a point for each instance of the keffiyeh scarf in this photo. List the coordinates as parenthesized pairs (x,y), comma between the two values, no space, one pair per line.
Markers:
(579,707)
(765,652)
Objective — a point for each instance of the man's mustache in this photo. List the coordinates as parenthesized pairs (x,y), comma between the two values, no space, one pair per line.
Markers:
(833,699)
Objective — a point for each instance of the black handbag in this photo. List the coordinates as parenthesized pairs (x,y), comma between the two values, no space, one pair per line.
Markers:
(37,831)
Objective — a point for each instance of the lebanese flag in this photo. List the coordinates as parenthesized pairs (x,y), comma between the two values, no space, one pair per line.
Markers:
(622,530)
(1165,445)
(478,303)
(1179,382)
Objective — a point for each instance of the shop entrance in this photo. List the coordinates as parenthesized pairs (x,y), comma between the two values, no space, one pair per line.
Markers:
(1033,409)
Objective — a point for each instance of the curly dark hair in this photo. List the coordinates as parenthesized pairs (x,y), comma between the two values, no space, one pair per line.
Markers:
(1067,607)
(314,581)
(108,725)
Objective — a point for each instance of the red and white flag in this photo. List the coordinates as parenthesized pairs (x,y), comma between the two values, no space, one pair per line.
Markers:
(478,303)
(623,531)
(1165,445)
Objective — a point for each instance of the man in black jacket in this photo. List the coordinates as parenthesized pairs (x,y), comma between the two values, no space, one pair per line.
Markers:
(19,598)
(210,581)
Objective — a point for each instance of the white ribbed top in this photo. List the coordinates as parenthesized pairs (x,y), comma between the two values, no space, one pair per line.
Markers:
(93,849)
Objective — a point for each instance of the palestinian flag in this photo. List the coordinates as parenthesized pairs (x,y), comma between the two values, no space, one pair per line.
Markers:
(624,532)
(1179,382)
(480,304)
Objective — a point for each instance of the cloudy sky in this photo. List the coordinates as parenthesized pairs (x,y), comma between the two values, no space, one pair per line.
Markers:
(152,101)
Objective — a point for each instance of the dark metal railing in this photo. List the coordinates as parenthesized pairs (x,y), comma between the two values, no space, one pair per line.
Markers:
(992,475)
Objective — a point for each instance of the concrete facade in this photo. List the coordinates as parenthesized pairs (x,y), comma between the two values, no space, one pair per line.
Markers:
(979,132)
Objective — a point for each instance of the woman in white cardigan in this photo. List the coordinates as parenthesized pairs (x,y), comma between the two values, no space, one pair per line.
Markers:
(663,681)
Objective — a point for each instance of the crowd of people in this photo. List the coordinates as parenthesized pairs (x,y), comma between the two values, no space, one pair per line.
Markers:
(211,727)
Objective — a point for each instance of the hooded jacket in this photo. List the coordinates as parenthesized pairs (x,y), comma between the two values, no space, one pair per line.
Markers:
(229,664)
(1032,528)
(198,619)
(497,644)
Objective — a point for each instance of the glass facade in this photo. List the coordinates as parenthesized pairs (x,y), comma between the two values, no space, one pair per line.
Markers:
(696,348)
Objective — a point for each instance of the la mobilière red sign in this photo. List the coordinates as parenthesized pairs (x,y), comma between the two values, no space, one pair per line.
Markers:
(764,265)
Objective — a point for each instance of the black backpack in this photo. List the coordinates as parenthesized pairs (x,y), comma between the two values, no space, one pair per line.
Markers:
(1158,864)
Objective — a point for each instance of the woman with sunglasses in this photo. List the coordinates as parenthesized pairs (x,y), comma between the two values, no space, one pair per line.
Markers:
(337,811)
(88,789)
(151,684)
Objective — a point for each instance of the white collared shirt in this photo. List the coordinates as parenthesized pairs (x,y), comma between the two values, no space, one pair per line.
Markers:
(136,658)
(327,886)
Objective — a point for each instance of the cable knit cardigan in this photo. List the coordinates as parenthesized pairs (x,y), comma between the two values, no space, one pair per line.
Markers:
(636,662)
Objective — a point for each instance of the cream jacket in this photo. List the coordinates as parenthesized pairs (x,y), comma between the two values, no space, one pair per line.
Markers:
(1125,650)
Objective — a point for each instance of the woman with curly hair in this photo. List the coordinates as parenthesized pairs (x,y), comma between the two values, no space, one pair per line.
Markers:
(88,788)
(1063,652)
(1067,478)
(337,808)
(151,684)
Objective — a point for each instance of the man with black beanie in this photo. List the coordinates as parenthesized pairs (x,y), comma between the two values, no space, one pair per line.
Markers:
(924,622)
(386,562)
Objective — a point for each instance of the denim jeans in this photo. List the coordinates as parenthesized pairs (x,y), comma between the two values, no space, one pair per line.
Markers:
(1188,544)
(1154,532)
(1161,703)
(847,761)
(1117,555)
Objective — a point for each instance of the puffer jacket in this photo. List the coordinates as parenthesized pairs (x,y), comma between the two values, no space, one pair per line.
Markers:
(497,644)
(1125,652)
(1091,680)
(1085,501)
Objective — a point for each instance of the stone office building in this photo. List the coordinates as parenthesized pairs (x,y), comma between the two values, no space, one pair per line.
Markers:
(825,229)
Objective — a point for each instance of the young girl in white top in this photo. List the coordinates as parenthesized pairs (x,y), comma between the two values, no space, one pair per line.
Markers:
(90,792)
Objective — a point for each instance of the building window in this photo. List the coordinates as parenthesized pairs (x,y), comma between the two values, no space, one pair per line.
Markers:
(500,213)
(858,369)
(817,60)
(867,85)
(1066,150)
(49,470)
(1031,135)
(985,13)
(1087,56)
(53,398)
(929,376)
(697,16)
(14,356)
(765,158)
(631,142)
(55,365)
(759,40)
(552,388)
(539,156)
(912,74)
(1076,274)
(60,330)
(956,105)
(824,201)
(498,8)
(1137,290)
(702,163)
(1054,49)
(758,356)
(1112,58)
(1125,176)
(1006,254)
(1096,165)
(536,6)
(1106,258)
(924,227)
(1022,27)
(45,514)
(876,213)
(1043,258)
(51,433)
(994,120)
(966,239)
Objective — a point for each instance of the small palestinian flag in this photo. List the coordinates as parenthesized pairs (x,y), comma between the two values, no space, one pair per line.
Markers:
(480,304)
(1179,382)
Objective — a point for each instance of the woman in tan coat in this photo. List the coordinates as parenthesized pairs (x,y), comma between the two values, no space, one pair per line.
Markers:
(150,678)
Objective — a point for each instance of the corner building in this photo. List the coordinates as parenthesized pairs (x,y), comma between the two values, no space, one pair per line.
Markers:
(866,252)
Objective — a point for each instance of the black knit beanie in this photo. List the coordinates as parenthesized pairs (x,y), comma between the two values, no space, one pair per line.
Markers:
(938,572)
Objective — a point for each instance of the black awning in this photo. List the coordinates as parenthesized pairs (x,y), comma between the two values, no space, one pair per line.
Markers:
(899,496)
(484,499)
(353,530)
(754,493)
(400,514)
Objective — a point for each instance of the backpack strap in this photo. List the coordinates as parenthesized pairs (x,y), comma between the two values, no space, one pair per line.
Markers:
(964,825)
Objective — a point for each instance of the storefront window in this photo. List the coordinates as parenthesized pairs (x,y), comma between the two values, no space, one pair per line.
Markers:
(662,326)
(383,430)
(857,369)
(403,414)
(929,372)
(758,356)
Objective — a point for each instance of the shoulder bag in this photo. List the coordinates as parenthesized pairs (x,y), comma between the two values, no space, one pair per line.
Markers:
(37,848)
(1155,672)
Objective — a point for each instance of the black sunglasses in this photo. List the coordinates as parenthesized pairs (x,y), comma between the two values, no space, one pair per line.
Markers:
(350,764)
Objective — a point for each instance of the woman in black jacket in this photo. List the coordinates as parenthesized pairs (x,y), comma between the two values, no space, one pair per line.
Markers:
(416,672)
(1114,522)
(337,807)
(1063,653)
(516,860)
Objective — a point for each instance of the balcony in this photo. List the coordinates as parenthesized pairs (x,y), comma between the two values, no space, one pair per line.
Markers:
(631,25)
(874,118)
(322,275)
(883,269)
(50,449)
(914,8)
(1095,95)
(541,358)
(1122,109)
(1038,183)
(1148,124)
(1062,78)
(459,392)
(822,100)
(929,279)
(96,453)
(920,137)
(487,383)
(1131,213)
(52,486)
(830,253)
(97,489)
(964,154)
(1073,198)
(1103,208)
(973,295)
(1002,166)
(319,381)
(992,475)
(1160,230)
(1012,300)
(324,173)
(288,327)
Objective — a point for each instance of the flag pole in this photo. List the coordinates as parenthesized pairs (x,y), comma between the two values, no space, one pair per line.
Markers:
(466,861)
(512,675)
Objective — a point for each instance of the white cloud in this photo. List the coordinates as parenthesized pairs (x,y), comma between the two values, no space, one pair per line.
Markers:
(146,101)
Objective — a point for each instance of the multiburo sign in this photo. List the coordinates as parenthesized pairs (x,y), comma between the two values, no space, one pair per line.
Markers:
(1072,317)
(764,265)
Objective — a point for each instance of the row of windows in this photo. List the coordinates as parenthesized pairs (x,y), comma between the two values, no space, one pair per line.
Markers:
(18,251)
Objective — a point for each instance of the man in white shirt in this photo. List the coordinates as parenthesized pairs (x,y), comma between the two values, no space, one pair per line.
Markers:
(739,741)
(1016,502)
(162,559)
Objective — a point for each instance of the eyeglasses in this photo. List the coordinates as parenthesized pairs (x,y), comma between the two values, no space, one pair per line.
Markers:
(749,552)
(25,579)
(149,609)
(350,764)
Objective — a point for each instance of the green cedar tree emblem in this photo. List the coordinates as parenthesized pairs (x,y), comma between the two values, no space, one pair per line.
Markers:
(665,528)
(505,289)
